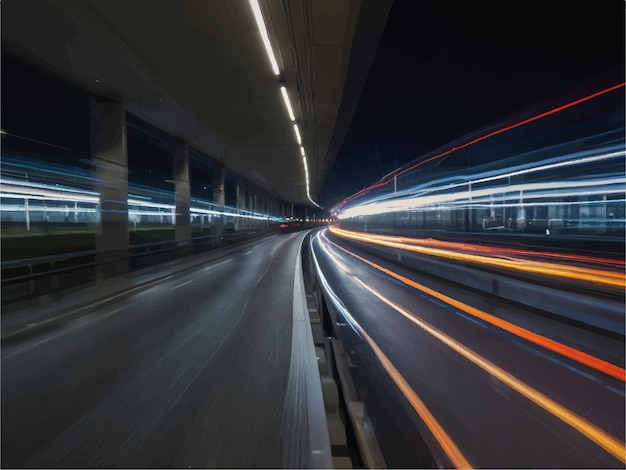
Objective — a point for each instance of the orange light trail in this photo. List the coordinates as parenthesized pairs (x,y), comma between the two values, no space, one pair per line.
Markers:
(387,179)
(503,251)
(444,440)
(609,443)
(600,276)
(547,343)
(441,436)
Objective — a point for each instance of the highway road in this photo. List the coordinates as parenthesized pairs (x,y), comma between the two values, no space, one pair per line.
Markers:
(191,372)
(454,377)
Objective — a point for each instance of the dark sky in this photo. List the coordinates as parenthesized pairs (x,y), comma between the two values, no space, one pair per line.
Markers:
(446,68)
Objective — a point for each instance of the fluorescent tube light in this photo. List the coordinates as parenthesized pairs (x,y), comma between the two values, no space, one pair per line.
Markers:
(254,4)
(295,128)
(283,90)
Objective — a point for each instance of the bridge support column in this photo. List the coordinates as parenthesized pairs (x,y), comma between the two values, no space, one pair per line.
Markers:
(183,191)
(110,160)
(242,223)
(255,208)
(219,196)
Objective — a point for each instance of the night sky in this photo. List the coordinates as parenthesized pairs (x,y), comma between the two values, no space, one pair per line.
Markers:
(446,68)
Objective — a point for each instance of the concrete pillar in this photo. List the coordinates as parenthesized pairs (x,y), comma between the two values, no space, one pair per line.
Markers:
(241,202)
(255,209)
(219,179)
(183,191)
(249,199)
(262,209)
(266,204)
(110,159)
(219,196)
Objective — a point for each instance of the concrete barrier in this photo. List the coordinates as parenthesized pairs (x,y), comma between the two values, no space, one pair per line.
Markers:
(595,309)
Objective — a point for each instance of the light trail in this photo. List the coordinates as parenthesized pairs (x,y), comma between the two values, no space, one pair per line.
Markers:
(25,191)
(554,190)
(547,343)
(607,442)
(441,436)
(604,277)
(498,250)
(389,178)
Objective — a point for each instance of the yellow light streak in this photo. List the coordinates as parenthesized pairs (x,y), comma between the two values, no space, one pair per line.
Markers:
(609,443)
(604,277)
(547,343)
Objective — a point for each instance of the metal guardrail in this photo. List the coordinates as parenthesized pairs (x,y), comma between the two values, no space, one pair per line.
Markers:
(42,275)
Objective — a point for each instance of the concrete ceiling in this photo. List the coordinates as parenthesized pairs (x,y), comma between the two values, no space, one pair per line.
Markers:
(198,70)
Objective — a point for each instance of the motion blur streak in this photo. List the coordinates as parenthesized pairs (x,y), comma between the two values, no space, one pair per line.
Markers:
(500,251)
(446,443)
(518,124)
(385,180)
(547,343)
(467,194)
(504,251)
(442,437)
(25,191)
(604,277)
(609,443)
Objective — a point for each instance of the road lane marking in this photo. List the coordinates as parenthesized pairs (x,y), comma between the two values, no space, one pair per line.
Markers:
(66,329)
(140,287)
(609,443)
(183,284)
(479,323)
(216,265)
(113,312)
(247,253)
(547,343)
(441,436)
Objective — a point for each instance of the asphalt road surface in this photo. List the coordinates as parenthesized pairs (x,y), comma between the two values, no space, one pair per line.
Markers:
(191,372)
(445,387)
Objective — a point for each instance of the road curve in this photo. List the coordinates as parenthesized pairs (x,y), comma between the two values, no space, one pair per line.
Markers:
(445,387)
(191,372)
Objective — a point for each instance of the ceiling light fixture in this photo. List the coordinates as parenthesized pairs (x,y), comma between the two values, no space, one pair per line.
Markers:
(283,90)
(302,151)
(295,128)
(254,4)
(306,175)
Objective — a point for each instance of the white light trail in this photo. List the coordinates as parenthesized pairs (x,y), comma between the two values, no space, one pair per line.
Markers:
(137,205)
(527,192)
(470,195)
(578,161)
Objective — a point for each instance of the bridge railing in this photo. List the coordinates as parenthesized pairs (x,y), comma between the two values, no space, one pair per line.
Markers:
(34,277)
